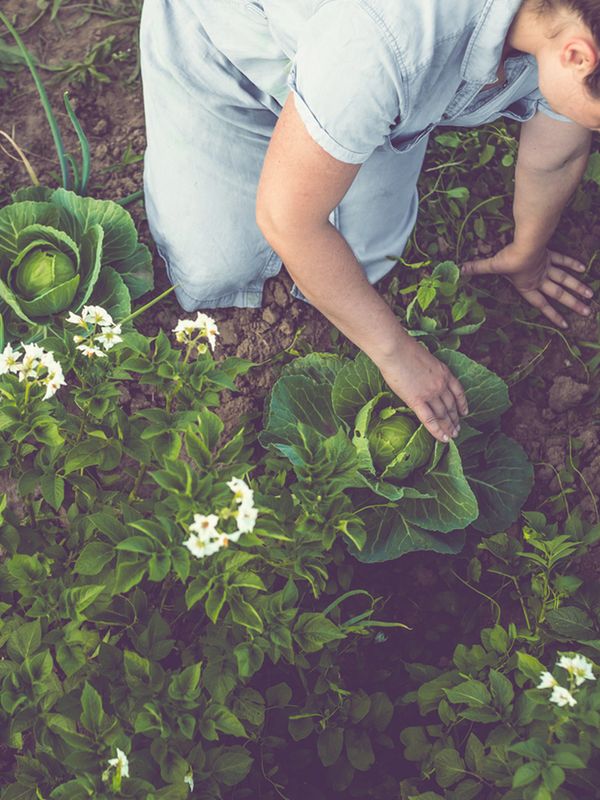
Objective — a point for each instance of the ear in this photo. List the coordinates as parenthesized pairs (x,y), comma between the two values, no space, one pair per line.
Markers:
(581,55)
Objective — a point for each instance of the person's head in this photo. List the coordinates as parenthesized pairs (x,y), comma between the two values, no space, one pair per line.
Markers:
(564,36)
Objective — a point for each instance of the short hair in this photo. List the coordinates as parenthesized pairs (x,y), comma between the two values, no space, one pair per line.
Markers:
(589,12)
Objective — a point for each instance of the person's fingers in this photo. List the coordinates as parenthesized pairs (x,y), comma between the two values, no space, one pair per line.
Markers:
(459,393)
(443,415)
(559,293)
(481,266)
(566,261)
(431,421)
(537,300)
(569,281)
(450,403)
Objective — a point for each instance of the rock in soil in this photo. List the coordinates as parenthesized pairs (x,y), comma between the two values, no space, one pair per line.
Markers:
(566,393)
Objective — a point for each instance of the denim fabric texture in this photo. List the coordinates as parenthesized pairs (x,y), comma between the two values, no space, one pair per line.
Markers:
(371,80)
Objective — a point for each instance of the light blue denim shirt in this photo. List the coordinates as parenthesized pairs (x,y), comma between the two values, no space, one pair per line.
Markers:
(371,73)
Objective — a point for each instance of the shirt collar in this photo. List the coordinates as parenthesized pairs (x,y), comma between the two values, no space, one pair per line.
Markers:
(484,50)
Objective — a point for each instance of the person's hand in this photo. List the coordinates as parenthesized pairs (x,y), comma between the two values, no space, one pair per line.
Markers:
(428,387)
(537,278)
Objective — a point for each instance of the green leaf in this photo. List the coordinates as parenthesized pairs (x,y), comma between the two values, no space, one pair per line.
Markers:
(452,505)
(474,753)
(137,544)
(25,640)
(356,383)
(78,214)
(248,580)
(86,454)
(553,777)
(244,613)
(526,774)
(501,479)
(530,666)
(53,490)
(17,216)
(136,271)
(215,602)
(567,760)
(572,623)
(313,631)
(487,394)
(294,399)
(416,744)
(111,293)
(449,767)
(473,693)
(390,535)
(330,743)
(92,559)
(92,716)
(502,689)
(359,749)
(381,711)
(249,658)
(230,765)
(250,705)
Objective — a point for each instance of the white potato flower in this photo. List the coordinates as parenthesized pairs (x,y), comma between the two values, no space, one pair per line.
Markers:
(10,360)
(562,697)
(578,667)
(54,381)
(201,547)
(205,526)
(96,315)
(120,763)
(109,336)
(31,360)
(547,681)
(203,323)
(90,351)
(30,364)
(75,319)
(246,518)
(241,491)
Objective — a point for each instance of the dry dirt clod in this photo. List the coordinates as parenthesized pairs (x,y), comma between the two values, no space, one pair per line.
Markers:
(280,296)
(270,315)
(227,332)
(566,393)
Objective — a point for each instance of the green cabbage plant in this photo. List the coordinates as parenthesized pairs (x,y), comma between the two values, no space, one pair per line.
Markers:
(59,251)
(335,418)
(442,310)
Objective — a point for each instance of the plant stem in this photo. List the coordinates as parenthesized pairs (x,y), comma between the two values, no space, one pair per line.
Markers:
(152,302)
(138,480)
(58,143)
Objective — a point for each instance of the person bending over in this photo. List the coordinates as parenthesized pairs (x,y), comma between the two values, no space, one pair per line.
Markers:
(294,132)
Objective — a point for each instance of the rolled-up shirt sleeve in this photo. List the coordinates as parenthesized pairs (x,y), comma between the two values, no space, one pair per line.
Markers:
(346,81)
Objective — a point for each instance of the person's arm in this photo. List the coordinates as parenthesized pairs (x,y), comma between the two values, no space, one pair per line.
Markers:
(300,185)
(552,159)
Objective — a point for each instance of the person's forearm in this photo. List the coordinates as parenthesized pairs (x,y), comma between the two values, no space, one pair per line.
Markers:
(540,197)
(327,272)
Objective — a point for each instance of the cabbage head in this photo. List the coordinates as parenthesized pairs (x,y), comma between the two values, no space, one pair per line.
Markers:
(46,280)
(388,437)
(59,251)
